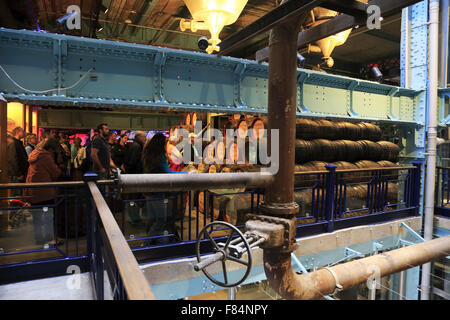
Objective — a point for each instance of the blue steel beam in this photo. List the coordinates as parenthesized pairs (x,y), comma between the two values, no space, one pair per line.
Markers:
(116,74)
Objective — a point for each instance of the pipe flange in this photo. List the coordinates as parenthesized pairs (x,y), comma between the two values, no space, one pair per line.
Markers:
(289,225)
(280,209)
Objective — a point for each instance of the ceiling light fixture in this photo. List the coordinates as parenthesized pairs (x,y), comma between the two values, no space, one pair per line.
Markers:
(212,15)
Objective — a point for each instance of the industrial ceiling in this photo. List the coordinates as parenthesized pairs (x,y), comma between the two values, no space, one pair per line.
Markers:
(156,22)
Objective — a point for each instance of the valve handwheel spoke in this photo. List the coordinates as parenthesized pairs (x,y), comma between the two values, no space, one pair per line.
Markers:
(224,267)
(222,253)
(230,237)
(245,263)
(216,247)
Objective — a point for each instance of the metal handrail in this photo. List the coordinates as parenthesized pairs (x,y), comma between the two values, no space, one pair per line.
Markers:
(134,282)
(56,184)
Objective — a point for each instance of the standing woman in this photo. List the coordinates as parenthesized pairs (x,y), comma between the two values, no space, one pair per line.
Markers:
(119,151)
(154,159)
(43,169)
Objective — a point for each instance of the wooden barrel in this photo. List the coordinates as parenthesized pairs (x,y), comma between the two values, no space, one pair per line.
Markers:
(303,151)
(257,124)
(369,131)
(240,126)
(341,150)
(323,150)
(176,130)
(193,118)
(209,152)
(326,130)
(220,151)
(390,174)
(390,151)
(370,150)
(306,129)
(308,180)
(187,119)
(354,151)
(232,152)
(366,176)
(344,165)
(348,130)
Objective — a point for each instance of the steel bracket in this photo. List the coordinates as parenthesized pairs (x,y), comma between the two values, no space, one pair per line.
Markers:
(376,246)
(350,253)
(350,111)
(159,62)
(238,73)
(411,231)
(391,94)
(301,78)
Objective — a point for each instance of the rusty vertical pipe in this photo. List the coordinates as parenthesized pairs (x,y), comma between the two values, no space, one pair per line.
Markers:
(325,281)
(279,197)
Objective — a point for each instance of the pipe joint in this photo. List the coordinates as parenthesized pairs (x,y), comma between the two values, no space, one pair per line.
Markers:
(280,209)
(278,232)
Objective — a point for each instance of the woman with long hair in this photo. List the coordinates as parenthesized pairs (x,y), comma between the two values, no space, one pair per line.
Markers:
(154,160)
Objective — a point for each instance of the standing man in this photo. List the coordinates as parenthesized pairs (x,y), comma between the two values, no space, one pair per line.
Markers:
(100,154)
(18,162)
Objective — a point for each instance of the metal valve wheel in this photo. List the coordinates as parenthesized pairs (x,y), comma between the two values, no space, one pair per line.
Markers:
(230,250)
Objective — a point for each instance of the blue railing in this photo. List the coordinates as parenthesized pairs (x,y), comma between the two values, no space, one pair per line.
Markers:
(329,200)
(442,204)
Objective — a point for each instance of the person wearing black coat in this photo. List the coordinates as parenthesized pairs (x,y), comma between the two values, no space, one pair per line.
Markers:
(18,161)
(133,157)
(133,165)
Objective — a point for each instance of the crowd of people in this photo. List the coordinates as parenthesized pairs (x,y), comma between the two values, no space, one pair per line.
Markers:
(53,158)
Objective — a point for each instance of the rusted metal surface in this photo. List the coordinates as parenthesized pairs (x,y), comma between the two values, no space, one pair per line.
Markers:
(282,115)
(278,232)
(289,285)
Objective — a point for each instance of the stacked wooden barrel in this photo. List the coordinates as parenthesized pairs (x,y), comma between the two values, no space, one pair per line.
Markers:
(348,146)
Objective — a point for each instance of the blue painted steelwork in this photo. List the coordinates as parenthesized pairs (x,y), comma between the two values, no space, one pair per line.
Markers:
(442,204)
(138,76)
(414,74)
(444,112)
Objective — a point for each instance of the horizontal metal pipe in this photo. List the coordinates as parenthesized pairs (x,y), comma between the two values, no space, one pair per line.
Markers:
(322,282)
(56,184)
(132,183)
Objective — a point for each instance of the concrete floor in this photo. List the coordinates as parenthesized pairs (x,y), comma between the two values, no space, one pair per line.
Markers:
(70,287)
